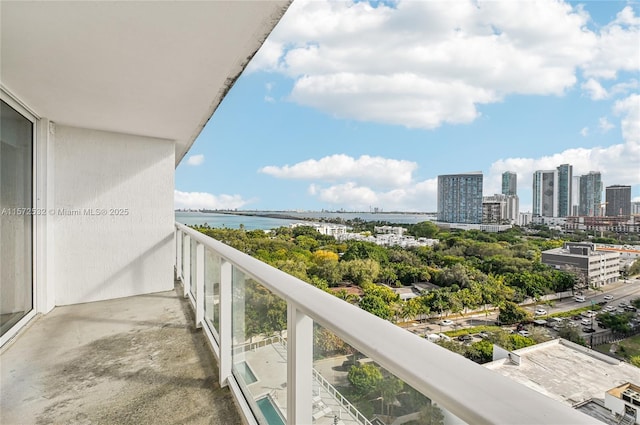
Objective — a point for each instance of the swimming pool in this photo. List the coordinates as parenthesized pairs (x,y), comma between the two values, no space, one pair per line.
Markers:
(269,411)
(245,372)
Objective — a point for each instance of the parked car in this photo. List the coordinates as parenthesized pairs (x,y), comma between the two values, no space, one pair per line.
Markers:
(588,313)
(540,312)
(608,297)
(579,298)
(588,330)
(577,317)
(585,322)
(446,322)
(602,325)
(631,308)
(524,333)
(484,335)
(465,338)
(554,321)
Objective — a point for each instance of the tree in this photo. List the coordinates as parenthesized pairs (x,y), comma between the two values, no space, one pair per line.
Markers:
(360,272)
(364,378)
(616,322)
(389,389)
(431,415)
(511,312)
(365,251)
(376,305)
(480,352)
(325,265)
(571,334)
(425,229)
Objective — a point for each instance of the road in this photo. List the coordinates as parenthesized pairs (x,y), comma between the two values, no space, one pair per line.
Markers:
(621,291)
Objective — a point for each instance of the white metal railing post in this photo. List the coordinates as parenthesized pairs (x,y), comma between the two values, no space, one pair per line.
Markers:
(299,366)
(199,284)
(179,239)
(225,325)
(186,262)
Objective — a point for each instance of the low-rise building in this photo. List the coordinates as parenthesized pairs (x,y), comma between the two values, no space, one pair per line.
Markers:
(598,266)
(551,368)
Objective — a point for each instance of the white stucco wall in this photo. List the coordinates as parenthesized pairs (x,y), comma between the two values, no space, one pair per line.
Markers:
(98,257)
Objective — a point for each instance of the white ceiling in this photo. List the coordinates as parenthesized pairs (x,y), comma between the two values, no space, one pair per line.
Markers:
(152,68)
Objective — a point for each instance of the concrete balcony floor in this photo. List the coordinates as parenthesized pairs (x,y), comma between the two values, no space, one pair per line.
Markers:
(136,360)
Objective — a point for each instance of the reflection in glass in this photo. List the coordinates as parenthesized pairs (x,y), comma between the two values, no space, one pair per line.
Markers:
(212,290)
(16,261)
(352,389)
(260,348)
(192,281)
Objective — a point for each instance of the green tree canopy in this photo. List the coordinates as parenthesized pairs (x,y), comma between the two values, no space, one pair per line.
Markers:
(511,312)
(364,378)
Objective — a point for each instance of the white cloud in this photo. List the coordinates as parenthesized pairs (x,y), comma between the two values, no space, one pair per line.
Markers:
(421,196)
(584,132)
(195,160)
(368,170)
(422,64)
(624,87)
(629,108)
(594,89)
(203,200)
(617,47)
(604,124)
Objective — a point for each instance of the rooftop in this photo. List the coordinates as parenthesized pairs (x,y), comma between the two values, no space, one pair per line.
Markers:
(567,372)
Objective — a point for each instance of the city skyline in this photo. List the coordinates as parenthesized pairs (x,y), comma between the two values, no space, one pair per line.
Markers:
(340,110)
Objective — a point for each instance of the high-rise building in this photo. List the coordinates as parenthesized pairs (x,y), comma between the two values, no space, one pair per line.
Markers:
(545,193)
(552,192)
(565,177)
(575,195)
(618,200)
(509,183)
(635,208)
(500,209)
(460,198)
(590,194)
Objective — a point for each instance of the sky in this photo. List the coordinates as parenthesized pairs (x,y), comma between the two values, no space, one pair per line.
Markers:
(361,105)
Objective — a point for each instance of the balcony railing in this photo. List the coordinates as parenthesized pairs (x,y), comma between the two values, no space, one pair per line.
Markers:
(286,348)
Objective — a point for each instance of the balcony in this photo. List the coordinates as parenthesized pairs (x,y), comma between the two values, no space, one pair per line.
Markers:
(135,360)
(283,348)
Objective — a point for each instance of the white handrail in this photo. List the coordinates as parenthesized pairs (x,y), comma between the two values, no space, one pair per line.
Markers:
(344,403)
(469,391)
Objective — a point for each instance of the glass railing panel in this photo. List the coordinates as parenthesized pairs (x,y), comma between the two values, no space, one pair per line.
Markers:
(212,291)
(185,240)
(193,265)
(259,356)
(351,388)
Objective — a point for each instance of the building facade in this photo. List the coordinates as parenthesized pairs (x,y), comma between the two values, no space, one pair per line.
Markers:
(509,183)
(460,198)
(590,194)
(618,201)
(553,192)
(545,193)
(500,209)
(565,183)
(599,267)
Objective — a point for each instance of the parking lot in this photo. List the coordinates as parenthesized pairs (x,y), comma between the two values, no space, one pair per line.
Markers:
(614,300)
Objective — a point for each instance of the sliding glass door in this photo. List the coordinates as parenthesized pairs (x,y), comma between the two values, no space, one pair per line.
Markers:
(16,219)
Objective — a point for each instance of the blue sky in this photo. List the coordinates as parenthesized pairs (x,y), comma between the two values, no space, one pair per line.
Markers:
(350,106)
